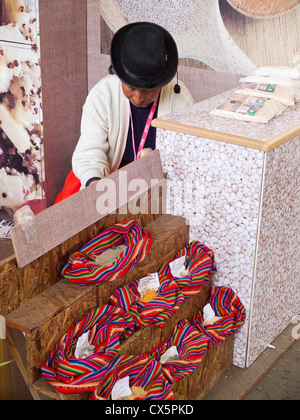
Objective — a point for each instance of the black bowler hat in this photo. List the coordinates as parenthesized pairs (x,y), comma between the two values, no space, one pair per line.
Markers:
(144,55)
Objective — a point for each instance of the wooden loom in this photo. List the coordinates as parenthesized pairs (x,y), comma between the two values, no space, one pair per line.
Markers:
(40,306)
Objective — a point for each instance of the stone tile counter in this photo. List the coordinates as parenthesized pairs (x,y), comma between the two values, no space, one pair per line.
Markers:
(238,183)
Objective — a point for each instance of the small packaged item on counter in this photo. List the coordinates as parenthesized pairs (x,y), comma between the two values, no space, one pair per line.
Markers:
(278,80)
(285,95)
(249,108)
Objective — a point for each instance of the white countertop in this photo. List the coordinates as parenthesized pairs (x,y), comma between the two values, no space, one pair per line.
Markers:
(198,121)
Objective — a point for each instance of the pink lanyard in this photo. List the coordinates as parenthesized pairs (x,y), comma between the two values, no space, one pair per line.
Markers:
(146,130)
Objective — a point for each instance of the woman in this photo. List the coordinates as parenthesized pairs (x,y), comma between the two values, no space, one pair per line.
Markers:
(117,115)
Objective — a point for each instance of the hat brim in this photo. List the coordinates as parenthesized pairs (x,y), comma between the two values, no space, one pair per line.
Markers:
(169,71)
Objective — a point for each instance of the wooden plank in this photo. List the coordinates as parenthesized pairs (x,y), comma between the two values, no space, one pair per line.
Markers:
(48,316)
(216,362)
(71,216)
(263,9)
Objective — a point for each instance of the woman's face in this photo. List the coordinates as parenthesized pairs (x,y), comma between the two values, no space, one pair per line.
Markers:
(140,98)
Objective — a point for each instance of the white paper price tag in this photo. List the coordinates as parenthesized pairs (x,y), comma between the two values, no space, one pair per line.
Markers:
(171,353)
(149,283)
(121,389)
(82,344)
(177,266)
(208,313)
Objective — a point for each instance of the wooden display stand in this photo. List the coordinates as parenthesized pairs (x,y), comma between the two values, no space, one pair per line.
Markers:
(36,324)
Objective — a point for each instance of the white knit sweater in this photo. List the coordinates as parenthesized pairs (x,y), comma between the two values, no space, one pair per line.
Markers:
(105,124)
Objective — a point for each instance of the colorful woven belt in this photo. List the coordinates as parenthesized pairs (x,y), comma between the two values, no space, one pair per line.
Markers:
(81,268)
(156,312)
(199,262)
(106,325)
(227,305)
(143,372)
(191,347)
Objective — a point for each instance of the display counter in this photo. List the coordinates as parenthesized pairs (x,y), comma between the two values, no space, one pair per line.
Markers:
(239,185)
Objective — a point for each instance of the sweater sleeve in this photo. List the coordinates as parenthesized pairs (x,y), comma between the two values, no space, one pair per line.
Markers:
(90,156)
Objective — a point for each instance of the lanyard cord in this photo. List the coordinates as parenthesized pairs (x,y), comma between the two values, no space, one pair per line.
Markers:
(146,130)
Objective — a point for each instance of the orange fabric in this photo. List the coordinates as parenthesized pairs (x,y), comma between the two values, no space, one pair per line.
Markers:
(72,186)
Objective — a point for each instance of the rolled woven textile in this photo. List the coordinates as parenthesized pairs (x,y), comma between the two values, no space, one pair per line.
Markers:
(199,266)
(226,305)
(155,312)
(191,345)
(143,371)
(82,268)
(105,326)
